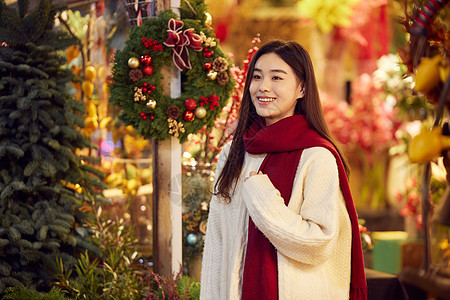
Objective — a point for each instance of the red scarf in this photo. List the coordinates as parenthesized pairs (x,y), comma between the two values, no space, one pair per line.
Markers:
(284,142)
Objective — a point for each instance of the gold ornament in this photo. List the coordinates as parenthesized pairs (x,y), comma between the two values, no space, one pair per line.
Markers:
(427,74)
(138,95)
(202,227)
(151,104)
(133,62)
(207,41)
(175,127)
(212,75)
(88,88)
(90,73)
(200,112)
(208,20)
(427,145)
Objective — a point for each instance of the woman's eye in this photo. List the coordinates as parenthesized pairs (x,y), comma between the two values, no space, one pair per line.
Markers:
(276,78)
(255,76)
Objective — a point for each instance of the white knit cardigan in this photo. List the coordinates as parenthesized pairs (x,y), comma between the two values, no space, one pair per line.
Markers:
(312,234)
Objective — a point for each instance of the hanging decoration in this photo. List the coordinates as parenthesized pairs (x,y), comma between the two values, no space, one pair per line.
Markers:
(180,40)
(139,69)
(327,13)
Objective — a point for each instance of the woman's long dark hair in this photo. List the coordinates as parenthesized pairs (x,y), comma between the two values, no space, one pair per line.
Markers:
(298,59)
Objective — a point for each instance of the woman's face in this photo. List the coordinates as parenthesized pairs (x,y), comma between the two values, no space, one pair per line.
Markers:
(274,88)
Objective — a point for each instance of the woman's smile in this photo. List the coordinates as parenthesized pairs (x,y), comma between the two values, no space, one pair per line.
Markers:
(265,100)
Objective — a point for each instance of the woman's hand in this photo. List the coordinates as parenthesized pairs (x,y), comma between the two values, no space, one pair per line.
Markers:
(253,173)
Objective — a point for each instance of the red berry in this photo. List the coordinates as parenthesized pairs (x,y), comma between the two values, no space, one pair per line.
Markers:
(142,114)
(145,84)
(148,70)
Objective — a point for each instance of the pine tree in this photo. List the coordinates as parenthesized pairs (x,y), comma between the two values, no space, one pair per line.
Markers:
(44,183)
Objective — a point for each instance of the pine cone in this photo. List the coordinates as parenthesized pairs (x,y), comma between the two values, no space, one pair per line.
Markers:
(220,64)
(135,74)
(222,78)
(173,112)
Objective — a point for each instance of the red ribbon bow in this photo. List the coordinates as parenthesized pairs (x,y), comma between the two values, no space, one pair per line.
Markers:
(179,40)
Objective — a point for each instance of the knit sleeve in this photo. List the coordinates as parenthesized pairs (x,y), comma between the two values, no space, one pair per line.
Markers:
(308,235)
(213,250)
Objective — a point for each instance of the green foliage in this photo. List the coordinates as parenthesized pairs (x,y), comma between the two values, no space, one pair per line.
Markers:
(43,183)
(115,274)
(21,293)
(176,287)
(196,197)
(195,82)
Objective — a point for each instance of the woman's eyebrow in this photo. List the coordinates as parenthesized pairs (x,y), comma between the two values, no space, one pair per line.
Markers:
(273,71)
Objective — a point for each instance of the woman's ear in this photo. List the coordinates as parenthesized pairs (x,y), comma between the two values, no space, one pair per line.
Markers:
(301,92)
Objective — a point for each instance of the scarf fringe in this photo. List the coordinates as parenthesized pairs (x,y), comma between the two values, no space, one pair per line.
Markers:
(358,293)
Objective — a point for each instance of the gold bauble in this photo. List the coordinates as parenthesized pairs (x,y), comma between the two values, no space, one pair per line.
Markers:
(88,88)
(133,62)
(151,104)
(212,75)
(208,20)
(90,73)
(200,112)
(427,74)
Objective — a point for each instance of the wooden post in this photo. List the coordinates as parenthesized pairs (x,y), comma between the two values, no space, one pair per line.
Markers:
(167,192)
(167,230)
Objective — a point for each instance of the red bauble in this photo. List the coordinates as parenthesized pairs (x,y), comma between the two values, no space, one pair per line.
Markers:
(188,115)
(148,70)
(207,65)
(146,59)
(190,104)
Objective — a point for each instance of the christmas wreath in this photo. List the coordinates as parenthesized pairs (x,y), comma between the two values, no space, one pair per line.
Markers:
(138,73)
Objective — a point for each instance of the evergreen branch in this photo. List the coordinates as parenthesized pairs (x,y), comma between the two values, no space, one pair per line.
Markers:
(80,44)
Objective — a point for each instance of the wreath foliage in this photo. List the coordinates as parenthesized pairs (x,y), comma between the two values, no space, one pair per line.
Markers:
(168,117)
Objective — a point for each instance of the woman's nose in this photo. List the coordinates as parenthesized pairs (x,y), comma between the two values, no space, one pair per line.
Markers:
(264,86)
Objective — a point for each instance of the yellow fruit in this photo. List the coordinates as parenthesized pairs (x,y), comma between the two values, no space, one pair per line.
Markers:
(444,71)
(111,177)
(102,73)
(427,145)
(132,184)
(105,122)
(89,73)
(88,88)
(427,74)
(91,109)
(105,90)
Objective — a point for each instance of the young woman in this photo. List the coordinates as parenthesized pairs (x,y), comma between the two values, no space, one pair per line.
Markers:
(282,223)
